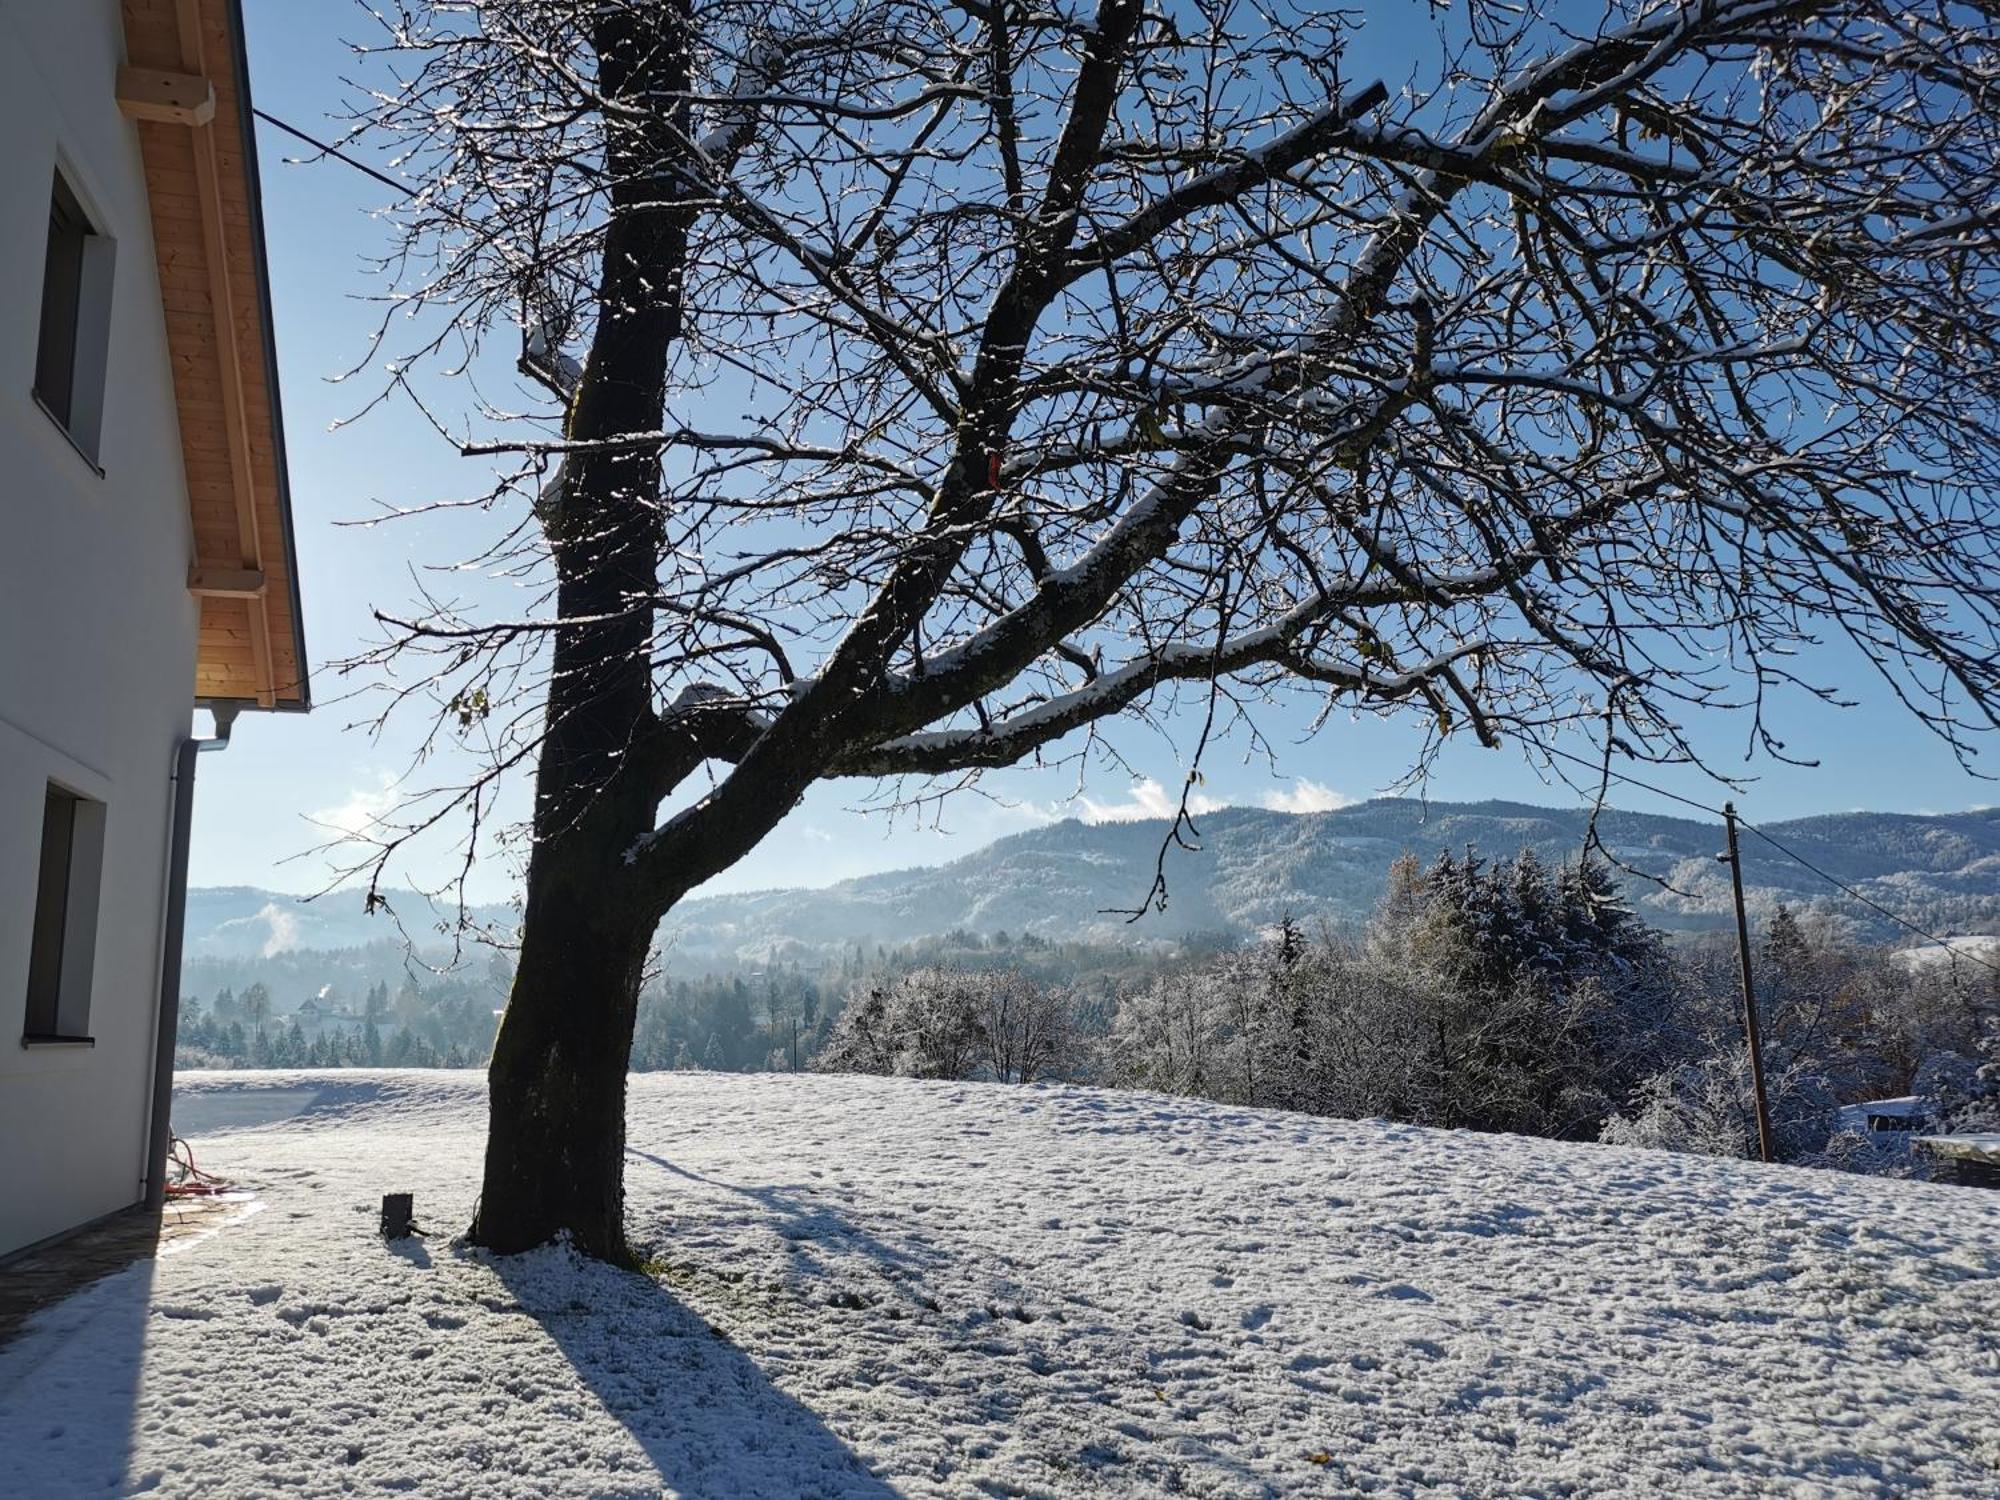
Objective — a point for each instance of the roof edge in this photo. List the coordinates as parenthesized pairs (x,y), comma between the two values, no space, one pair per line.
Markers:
(254,186)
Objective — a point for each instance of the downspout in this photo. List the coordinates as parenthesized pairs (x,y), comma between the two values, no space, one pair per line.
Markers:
(161,1135)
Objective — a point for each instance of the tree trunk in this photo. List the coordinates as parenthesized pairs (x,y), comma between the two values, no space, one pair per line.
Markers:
(555,1144)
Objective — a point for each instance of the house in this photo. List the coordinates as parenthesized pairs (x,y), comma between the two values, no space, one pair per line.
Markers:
(1972,1160)
(1887,1117)
(148,567)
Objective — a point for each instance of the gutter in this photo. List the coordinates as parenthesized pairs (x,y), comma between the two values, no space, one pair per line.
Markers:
(160,1137)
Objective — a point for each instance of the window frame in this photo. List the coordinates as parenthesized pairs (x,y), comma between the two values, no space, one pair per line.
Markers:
(73,329)
(63,943)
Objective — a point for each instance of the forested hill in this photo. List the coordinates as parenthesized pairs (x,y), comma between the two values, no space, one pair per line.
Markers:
(1067,879)
(1254,867)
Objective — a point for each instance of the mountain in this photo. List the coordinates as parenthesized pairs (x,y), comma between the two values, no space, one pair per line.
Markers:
(1067,881)
(1253,867)
(242,921)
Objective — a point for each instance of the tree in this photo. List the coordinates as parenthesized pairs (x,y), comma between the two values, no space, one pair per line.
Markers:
(257,1006)
(934,1023)
(1706,1107)
(924,385)
(861,1041)
(1025,1028)
(1169,1034)
(1977,1107)
(935,1014)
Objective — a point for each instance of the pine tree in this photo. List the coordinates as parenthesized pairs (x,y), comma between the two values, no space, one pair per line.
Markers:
(1786,950)
(1532,938)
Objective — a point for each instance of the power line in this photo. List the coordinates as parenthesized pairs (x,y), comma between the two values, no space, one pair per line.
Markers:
(1872,905)
(335,152)
(1797,859)
(1658,791)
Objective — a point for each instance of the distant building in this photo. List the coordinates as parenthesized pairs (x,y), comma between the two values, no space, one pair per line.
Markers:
(1973,1160)
(1891,1117)
(149,566)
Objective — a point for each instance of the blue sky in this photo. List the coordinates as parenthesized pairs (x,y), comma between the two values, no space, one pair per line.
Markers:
(256,812)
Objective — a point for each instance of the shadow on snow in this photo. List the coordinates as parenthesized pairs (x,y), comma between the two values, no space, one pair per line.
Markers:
(709,1419)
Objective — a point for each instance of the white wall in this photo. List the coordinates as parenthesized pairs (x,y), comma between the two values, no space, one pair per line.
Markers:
(97,630)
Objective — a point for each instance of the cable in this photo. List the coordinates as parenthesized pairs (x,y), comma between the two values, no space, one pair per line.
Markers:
(333,151)
(1600,769)
(1872,905)
(1797,859)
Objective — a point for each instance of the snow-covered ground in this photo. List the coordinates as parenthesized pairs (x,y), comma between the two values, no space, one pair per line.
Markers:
(874,1287)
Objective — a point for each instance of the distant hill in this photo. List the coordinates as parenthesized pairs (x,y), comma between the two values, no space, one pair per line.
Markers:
(1065,880)
(241,921)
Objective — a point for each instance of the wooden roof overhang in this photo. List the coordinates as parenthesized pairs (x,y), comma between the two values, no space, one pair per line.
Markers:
(186,86)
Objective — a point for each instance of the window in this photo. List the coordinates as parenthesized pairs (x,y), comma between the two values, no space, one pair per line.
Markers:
(62,292)
(76,298)
(62,950)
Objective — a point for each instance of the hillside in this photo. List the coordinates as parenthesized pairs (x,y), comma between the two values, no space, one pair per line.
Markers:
(875,1288)
(1066,880)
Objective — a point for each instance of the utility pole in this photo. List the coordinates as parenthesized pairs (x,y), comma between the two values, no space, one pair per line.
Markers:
(1735,863)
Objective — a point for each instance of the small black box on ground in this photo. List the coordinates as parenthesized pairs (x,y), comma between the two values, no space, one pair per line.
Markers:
(398,1210)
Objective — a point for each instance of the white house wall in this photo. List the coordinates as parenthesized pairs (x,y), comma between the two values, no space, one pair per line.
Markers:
(97,631)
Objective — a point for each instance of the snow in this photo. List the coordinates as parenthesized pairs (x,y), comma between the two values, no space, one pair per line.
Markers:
(1913,1109)
(868,1287)
(1975,1145)
(1979,947)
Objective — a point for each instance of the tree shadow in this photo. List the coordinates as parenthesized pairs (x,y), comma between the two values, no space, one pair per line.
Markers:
(797,1217)
(710,1421)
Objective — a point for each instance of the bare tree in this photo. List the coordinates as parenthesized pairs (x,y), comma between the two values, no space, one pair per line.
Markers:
(1027,1029)
(257,1005)
(924,383)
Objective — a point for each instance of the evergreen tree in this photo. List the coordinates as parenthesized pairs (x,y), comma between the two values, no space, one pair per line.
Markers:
(1531,936)
(1977,1110)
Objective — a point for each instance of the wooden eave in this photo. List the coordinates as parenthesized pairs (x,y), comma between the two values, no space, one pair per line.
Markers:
(185,86)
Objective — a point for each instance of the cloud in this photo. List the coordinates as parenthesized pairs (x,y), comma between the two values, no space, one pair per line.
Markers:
(363,810)
(1148,799)
(1306,797)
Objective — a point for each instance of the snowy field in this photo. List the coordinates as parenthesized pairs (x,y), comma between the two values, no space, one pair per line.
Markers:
(876,1287)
